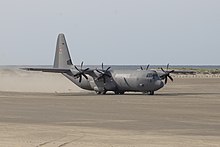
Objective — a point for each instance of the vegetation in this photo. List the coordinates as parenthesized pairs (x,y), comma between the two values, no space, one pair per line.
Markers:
(200,70)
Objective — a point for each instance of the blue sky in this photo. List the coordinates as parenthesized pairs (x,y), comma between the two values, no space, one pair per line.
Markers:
(111,31)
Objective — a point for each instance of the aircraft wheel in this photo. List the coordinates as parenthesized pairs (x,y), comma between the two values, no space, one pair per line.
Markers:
(151,93)
(98,92)
(119,92)
(103,92)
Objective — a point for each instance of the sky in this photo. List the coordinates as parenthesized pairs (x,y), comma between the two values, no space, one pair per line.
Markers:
(116,32)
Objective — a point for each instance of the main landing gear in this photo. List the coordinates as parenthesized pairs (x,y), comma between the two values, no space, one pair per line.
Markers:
(122,92)
(101,92)
(119,92)
(104,92)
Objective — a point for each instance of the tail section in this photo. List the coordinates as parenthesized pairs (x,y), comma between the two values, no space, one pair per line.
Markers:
(62,55)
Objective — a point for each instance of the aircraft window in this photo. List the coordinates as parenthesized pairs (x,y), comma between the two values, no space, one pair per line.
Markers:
(152,75)
(155,76)
(149,75)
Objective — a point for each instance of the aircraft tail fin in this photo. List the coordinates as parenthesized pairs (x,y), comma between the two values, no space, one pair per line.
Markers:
(62,56)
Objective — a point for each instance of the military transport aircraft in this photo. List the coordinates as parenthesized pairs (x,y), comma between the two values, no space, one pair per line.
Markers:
(103,80)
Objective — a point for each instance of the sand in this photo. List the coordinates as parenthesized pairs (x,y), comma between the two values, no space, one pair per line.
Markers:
(15,80)
(44,109)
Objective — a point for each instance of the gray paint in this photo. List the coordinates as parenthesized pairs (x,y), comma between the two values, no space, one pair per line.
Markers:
(62,56)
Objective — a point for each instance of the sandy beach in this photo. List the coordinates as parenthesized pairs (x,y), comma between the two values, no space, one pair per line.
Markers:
(46,109)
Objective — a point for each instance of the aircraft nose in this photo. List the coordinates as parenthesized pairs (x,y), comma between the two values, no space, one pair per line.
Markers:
(159,84)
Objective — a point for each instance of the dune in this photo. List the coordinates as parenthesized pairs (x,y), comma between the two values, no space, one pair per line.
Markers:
(16,80)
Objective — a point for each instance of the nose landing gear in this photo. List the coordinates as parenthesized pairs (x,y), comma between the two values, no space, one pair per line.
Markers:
(149,92)
(119,92)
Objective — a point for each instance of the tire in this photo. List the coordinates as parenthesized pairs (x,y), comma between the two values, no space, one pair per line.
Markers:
(151,93)
(103,92)
(98,92)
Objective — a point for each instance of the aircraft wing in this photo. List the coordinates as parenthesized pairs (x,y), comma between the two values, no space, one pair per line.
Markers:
(54,70)
(61,70)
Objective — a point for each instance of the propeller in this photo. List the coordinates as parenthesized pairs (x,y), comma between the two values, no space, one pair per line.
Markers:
(81,72)
(103,73)
(146,67)
(166,74)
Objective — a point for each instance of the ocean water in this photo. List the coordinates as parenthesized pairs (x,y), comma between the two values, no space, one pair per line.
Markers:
(161,66)
(124,67)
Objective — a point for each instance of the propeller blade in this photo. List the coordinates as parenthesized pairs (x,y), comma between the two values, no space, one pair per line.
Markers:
(81,72)
(103,73)
(168,66)
(81,65)
(76,75)
(102,66)
(85,76)
(170,78)
(166,74)
(76,68)
(148,66)
(108,68)
(80,78)
(99,71)
(86,69)
(103,79)
(166,80)
(162,69)
(171,71)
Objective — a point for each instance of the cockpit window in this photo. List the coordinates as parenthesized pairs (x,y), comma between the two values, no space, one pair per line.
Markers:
(149,75)
(153,75)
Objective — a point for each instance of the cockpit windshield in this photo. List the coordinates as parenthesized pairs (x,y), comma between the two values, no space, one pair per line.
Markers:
(153,76)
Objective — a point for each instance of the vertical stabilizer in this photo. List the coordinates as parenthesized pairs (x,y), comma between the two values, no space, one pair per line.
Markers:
(62,55)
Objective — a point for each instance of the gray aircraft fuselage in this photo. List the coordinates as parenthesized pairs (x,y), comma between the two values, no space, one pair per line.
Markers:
(121,81)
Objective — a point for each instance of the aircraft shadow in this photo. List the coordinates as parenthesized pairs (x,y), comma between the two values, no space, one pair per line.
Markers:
(185,94)
(138,94)
(85,94)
